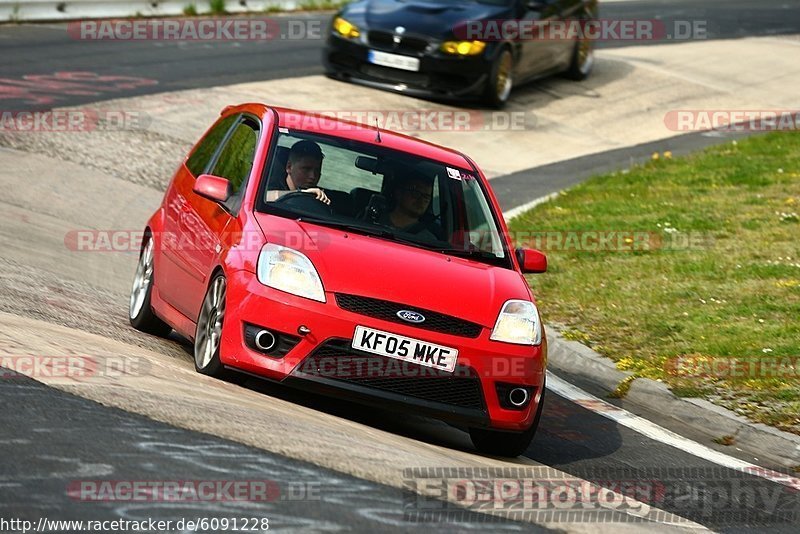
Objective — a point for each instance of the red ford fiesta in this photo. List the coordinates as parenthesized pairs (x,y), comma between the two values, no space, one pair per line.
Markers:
(351,261)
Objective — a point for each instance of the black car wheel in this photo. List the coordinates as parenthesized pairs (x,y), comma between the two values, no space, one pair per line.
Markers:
(503,443)
(501,79)
(140,312)
(582,60)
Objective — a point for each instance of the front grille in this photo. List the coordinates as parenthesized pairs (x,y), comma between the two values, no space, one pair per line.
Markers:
(385,41)
(383,309)
(336,360)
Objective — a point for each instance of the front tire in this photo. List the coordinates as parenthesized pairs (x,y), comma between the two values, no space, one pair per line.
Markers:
(504,443)
(208,335)
(140,311)
(501,80)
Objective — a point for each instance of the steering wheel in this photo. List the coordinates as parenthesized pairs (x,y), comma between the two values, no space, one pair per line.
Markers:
(305,202)
(375,209)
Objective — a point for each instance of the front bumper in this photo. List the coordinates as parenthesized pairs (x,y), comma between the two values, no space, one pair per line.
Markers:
(439,75)
(322,360)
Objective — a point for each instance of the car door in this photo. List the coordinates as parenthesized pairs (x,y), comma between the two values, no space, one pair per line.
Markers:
(176,269)
(206,221)
(541,52)
(571,12)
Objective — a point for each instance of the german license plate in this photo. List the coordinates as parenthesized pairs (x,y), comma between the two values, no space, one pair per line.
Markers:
(393,60)
(405,348)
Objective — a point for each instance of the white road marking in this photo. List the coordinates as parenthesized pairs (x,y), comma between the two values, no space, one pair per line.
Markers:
(519,210)
(653,431)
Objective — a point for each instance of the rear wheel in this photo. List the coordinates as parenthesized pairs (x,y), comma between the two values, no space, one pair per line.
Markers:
(582,60)
(504,443)
(501,79)
(140,312)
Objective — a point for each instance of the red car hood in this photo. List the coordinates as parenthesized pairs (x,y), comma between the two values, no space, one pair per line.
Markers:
(371,266)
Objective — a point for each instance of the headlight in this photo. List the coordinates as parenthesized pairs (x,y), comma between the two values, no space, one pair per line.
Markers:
(463,48)
(345,29)
(289,270)
(518,323)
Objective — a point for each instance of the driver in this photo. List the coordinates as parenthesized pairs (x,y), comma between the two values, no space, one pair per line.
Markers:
(303,171)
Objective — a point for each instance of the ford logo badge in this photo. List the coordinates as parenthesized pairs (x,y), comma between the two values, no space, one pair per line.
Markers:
(411,316)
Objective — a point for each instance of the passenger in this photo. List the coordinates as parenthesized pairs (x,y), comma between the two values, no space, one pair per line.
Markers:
(409,200)
(303,171)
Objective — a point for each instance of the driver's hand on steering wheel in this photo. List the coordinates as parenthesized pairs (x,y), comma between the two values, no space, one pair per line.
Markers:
(318,193)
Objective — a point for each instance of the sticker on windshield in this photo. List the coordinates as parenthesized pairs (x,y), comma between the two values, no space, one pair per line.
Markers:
(455,174)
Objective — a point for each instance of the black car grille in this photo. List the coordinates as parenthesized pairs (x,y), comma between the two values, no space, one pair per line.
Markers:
(396,75)
(383,309)
(336,360)
(383,40)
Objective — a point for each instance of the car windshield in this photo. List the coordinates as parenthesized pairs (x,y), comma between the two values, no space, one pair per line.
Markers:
(382,192)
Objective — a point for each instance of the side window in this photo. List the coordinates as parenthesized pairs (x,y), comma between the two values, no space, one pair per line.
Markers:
(479,219)
(236,158)
(203,153)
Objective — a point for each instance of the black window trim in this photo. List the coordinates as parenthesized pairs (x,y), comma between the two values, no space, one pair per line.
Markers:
(255,123)
(243,118)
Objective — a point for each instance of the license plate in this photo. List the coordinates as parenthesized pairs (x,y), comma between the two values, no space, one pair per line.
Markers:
(393,60)
(405,348)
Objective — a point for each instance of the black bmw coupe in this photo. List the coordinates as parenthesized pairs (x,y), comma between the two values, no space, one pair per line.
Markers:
(459,49)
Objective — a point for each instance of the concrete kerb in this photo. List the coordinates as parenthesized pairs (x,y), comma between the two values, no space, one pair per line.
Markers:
(575,359)
(579,360)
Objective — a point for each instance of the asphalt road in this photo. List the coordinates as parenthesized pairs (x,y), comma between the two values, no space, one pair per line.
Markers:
(33,54)
(51,439)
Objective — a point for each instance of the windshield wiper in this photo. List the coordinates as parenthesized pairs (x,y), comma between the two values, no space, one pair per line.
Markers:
(344,225)
(378,231)
(374,230)
(473,253)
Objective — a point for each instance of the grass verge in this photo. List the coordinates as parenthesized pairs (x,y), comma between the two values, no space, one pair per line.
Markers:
(697,282)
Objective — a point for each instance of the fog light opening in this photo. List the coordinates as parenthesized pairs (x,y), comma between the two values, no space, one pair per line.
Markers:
(518,397)
(264,340)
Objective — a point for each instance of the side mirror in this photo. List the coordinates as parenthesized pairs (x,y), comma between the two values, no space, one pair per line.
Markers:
(213,188)
(531,260)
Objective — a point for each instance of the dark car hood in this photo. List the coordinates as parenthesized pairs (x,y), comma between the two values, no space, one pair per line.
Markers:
(426,17)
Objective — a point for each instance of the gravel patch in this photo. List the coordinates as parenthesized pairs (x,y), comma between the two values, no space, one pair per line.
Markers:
(139,156)
(38,294)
